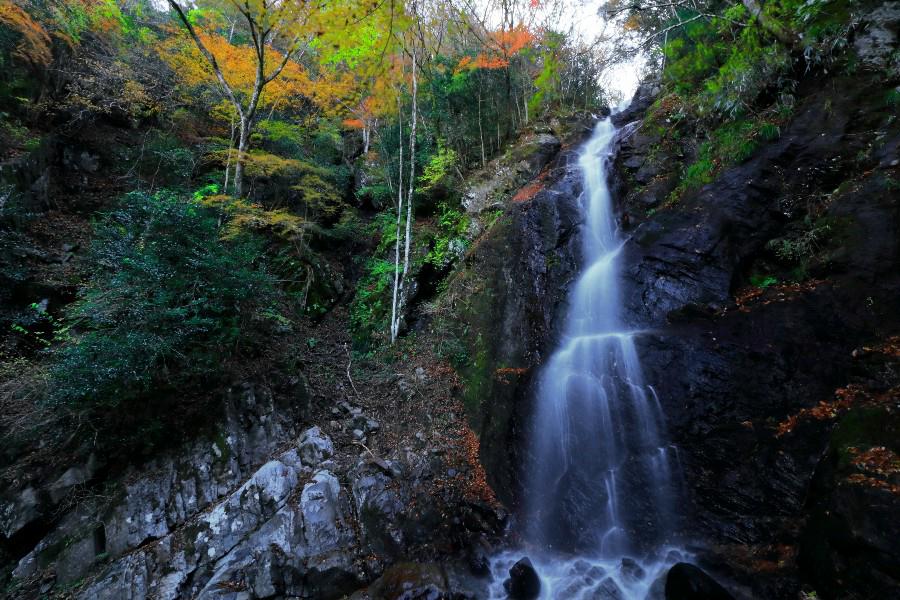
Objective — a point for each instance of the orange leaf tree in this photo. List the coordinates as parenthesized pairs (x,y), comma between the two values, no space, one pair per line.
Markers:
(278,34)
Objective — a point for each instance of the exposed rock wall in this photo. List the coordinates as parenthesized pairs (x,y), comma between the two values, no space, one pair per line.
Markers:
(776,495)
(731,362)
(510,291)
(258,511)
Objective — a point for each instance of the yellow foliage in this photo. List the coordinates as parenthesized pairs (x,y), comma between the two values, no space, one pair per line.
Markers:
(258,163)
(238,64)
(244,215)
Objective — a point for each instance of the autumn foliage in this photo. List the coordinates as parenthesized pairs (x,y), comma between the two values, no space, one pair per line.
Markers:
(500,47)
(238,64)
(34,47)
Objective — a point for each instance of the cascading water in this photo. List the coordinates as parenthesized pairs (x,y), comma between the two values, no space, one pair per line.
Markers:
(599,490)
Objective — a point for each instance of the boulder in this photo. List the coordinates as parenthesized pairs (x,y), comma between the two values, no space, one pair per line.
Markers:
(631,570)
(16,513)
(687,582)
(524,582)
(607,590)
(314,447)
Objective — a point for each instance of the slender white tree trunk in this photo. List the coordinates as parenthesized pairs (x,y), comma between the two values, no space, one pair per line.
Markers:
(395,318)
(400,277)
(412,171)
(243,143)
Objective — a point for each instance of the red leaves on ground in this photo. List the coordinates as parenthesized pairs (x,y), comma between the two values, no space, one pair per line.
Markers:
(476,485)
(852,396)
(877,466)
(878,460)
(889,347)
(508,375)
(531,190)
(528,192)
(754,296)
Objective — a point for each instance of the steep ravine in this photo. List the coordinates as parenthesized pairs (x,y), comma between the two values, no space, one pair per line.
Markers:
(781,396)
(733,363)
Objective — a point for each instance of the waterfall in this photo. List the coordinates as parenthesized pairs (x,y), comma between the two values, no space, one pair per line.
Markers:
(598,494)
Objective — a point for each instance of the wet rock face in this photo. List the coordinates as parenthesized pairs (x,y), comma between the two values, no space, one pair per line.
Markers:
(728,374)
(506,300)
(850,538)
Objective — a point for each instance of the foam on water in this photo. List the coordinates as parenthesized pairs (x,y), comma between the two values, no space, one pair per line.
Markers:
(586,578)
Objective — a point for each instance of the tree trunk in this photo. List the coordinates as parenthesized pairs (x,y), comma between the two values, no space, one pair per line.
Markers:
(480,130)
(400,287)
(228,158)
(395,318)
(243,143)
(412,166)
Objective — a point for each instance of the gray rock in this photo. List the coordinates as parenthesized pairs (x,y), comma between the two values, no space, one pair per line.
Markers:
(364,423)
(244,538)
(380,507)
(73,477)
(877,42)
(315,447)
(607,590)
(162,498)
(19,511)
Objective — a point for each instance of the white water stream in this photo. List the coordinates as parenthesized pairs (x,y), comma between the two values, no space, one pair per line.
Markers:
(600,484)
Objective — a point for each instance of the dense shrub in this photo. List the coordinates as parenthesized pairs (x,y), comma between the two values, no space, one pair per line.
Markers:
(168,301)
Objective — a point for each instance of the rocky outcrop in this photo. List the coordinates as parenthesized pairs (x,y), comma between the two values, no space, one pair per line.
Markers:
(879,37)
(731,361)
(152,501)
(257,511)
(491,187)
(505,300)
(286,530)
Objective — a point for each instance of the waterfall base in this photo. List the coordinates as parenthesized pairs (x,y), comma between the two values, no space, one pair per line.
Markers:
(585,578)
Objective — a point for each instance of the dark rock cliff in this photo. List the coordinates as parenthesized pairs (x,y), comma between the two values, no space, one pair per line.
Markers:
(732,362)
(507,297)
(780,392)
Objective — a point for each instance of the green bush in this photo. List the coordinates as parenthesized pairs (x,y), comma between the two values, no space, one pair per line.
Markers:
(799,247)
(449,242)
(371,306)
(168,302)
(729,144)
